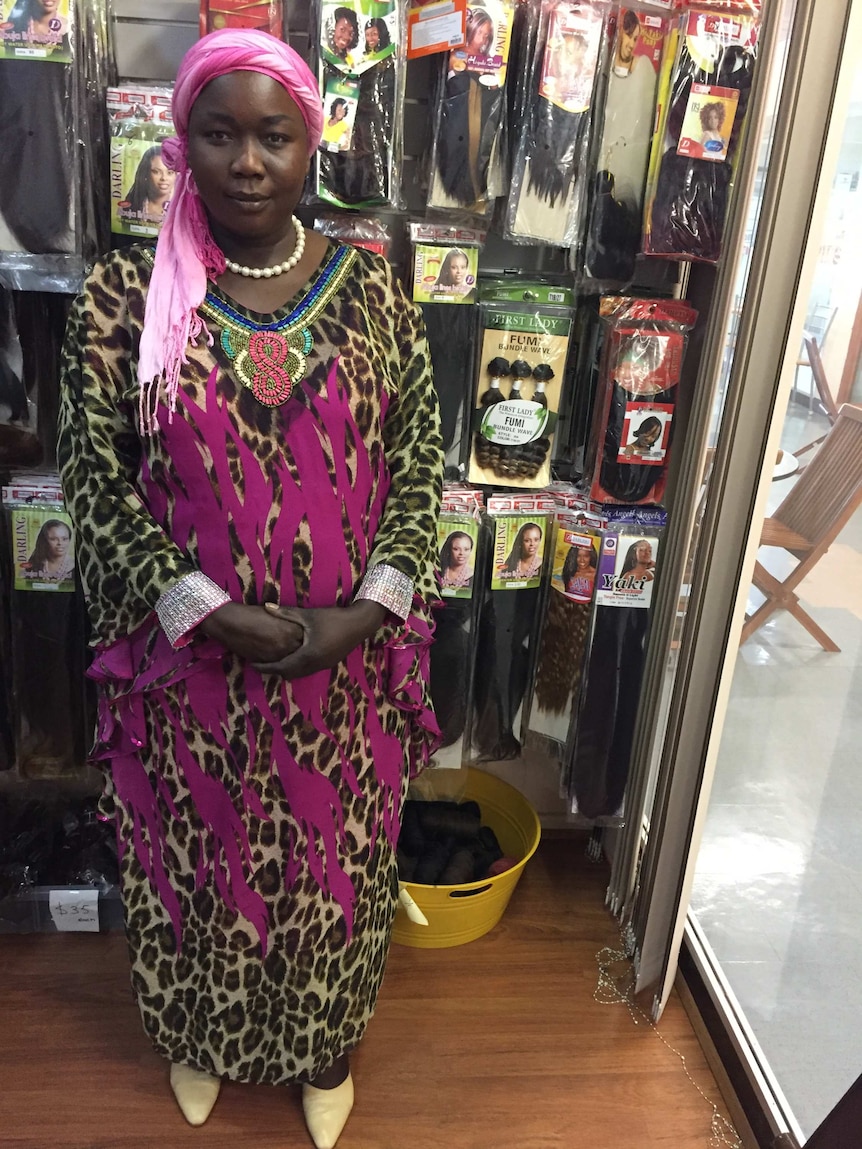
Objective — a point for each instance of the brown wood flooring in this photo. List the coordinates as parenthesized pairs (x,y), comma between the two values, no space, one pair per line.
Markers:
(498,1044)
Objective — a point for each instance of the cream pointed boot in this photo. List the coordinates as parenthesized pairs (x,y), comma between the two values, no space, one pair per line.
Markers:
(326,1111)
(196,1092)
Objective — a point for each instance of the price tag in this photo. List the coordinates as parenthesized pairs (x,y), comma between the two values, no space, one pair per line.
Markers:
(75,910)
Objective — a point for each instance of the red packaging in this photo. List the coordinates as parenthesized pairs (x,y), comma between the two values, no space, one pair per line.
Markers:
(263,15)
(629,449)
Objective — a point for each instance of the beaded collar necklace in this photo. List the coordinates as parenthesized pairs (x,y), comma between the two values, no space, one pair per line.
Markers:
(270,359)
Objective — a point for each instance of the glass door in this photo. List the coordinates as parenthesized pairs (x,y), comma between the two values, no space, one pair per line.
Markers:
(752,702)
(778,878)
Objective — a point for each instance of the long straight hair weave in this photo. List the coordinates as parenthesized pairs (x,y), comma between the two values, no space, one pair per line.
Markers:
(363,174)
(601,756)
(37,141)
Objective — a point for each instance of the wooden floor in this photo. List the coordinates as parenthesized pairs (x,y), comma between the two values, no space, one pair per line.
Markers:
(498,1044)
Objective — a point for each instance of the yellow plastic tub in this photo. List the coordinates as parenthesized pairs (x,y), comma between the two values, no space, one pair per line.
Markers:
(460,914)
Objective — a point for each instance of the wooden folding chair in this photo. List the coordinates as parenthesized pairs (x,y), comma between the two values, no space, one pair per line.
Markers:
(817,325)
(808,521)
(823,390)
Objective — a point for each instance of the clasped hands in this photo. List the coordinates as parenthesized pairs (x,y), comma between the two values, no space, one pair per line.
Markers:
(293,641)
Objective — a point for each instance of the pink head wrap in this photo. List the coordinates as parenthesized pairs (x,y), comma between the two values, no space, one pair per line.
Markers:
(186,254)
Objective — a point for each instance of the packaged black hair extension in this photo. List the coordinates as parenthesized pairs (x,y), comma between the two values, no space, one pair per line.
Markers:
(37,126)
(452,343)
(613,231)
(142,184)
(360,231)
(519,381)
(547,196)
(98,71)
(461,543)
(17,407)
(361,66)
(600,757)
(469,124)
(573,563)
(634,407)
(49,70)
(48,631)
(445,266)
(574,428)
(41,322)
(703,94)
(509,622)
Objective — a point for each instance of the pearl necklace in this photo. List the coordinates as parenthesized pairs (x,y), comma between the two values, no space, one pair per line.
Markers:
(280,268)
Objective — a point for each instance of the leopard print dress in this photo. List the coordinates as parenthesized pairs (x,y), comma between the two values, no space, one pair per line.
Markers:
(257,818)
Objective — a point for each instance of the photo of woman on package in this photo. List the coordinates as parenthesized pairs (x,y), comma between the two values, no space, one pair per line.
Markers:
(149,196)
(343,33)
(336,128)
(712,120)
(639,563)
(525,557)
(455,277)
(479,32)
(645,437)
(53,556)
(38,24)
(377,37)
(579,572)
(456,563)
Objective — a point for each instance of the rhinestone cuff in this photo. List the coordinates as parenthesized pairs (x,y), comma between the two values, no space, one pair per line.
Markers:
(390,587)
(187,604)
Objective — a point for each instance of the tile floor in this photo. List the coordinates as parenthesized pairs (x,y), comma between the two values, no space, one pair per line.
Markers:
(778,890)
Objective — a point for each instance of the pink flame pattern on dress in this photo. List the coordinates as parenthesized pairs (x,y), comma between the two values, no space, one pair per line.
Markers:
(329,482)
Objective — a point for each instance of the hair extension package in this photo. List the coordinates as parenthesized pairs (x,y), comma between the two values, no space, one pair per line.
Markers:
(48,629)
(142,184)
(462,542)
(546,202)
(703,98)
(360,231)
(469,123)
(361,61)
(574,547)
(445,268)
(19,445)
(633,411)
(526,328)
(597,766)
(265,16)
(54,69)
(509,620)
(613,230)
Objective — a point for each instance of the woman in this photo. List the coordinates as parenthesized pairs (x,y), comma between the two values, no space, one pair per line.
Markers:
(344,36)
(455,556)
(627,41)
(645,438)
(453,273)
(257,491)
(525,557)
(638,564)
(336,131)
(376,36)
(711,123)
(148,197)
(579,572)
(39,23)
(479,32)
(52,559)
